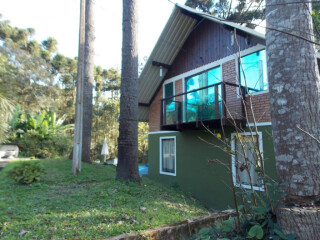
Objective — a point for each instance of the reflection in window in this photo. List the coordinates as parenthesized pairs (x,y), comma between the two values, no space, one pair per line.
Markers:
(170,105)
(253,71)
(168,155)
(169,92)
(245,160)
(201,104)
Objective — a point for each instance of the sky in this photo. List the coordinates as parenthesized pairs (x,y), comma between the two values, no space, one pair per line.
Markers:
(60,19)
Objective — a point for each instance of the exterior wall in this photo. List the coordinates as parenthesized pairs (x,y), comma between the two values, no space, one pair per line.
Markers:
(194,174)
(261,108)
(155,107)
(209,42)
(178,89)
(233,102)
(154,112)
(260,101)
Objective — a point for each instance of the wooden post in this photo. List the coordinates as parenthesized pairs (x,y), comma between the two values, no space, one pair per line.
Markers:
(216,101)
(161,114)
(224,103)
(243,104)
(164,109)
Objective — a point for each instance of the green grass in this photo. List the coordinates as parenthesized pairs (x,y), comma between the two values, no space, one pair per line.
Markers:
(90,206)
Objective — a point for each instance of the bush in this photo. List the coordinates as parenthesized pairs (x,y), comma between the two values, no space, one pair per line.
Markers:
(41,135)
(32,144)
(27,172)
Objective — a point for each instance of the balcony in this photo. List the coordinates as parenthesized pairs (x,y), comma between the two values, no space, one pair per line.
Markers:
(212,106)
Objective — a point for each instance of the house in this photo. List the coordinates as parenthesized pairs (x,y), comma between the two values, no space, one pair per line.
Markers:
(192,80)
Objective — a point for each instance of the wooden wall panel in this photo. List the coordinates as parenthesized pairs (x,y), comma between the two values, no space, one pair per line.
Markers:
(209,42)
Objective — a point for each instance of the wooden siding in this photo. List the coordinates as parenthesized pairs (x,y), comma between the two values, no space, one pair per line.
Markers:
(209,42)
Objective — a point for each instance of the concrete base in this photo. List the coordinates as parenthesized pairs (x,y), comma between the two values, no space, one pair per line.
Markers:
(180,230)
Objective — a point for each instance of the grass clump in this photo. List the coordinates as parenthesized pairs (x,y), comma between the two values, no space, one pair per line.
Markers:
(92,205)
(26,172)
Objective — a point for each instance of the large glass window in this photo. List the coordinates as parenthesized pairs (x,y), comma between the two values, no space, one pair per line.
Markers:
(253,71)
(170,108)
(168,155)
(169,92)
(200,103)
(245,160)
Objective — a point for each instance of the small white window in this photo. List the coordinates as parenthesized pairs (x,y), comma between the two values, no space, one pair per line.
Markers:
(245,160)
(168,155)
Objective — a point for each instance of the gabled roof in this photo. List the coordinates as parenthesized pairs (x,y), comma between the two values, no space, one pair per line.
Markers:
(180,24)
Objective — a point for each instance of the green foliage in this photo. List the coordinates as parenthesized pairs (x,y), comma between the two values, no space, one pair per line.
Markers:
(105,124)
(36,77)
(6,110)
(257,221)
(316,20)
(93,205)
(241,11)
(143,130)
(41,135)
(256,232)
(27,172)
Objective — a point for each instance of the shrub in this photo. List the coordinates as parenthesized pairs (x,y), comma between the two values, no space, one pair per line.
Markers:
(31,144)
(41,135)
(27,172)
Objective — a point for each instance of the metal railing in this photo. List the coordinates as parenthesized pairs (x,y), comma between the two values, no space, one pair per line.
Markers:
(206,103)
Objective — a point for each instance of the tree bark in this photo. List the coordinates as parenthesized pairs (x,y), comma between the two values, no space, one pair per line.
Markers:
(77,141)
(88,80)
(295,97)
(127,167)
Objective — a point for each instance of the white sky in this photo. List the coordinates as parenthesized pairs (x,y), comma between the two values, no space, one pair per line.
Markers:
(60,19)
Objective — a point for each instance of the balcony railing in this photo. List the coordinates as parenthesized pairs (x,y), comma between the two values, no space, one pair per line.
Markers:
(214,105)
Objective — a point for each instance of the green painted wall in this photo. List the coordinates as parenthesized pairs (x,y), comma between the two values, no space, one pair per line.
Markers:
(207,182)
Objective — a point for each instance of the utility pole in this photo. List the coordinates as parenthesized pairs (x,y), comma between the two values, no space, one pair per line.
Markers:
(77,141)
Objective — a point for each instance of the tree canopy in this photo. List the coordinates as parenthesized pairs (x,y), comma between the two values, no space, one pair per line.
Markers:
(36,77)
(240,11)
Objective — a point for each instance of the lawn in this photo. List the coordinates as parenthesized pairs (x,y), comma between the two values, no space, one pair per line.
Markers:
(90,206)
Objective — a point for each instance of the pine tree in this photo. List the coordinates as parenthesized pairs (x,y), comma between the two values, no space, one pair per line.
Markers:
(128,129)
(295,110)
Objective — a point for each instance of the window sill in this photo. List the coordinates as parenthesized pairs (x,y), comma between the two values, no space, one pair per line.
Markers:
(253,94)
(249,187)
(167,173)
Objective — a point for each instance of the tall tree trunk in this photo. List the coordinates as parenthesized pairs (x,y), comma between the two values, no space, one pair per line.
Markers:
(295,110)
(77,141)
(127,167)
(88,80)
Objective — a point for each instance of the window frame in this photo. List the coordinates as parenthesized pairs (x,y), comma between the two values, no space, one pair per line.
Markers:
(234,170)
(238,69)
(186,78)
(175,156)
(173,93)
